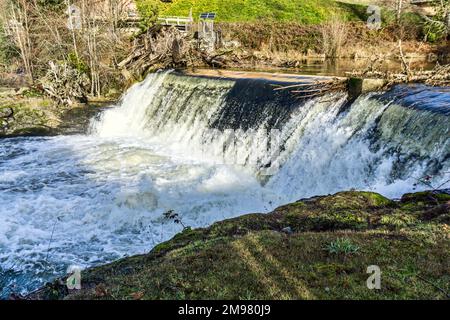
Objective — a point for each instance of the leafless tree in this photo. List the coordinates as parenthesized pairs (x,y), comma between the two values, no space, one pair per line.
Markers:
(43,34)
(16,20)
(399,10)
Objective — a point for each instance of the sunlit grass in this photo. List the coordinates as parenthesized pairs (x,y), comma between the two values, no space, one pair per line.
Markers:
(302,11)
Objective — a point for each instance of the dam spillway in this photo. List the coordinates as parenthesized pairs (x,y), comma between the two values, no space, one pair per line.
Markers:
(204,147)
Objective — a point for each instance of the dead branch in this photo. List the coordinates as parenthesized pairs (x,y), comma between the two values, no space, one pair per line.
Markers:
(438,76)
(316,88)
(64,84)
(162,48)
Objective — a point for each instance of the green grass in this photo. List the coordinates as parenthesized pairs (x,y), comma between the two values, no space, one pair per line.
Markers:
(301,11)
(342,246)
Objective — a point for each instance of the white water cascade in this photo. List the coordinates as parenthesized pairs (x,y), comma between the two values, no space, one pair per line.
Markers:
(204,148)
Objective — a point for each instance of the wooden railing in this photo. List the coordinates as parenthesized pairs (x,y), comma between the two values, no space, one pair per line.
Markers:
(180,22)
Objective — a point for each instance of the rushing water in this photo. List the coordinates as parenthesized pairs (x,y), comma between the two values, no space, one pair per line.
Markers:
(204,148)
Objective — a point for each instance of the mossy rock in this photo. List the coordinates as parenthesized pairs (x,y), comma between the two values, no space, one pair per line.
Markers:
(29,117)
(351,210)
(355,200)
(33,115)
(426,197)
(31,132)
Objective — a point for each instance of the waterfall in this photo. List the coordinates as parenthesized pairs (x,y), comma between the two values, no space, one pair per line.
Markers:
(381,142)
(209,149)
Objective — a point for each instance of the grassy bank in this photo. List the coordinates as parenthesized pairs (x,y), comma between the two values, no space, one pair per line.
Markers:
(300,11)
(318,248)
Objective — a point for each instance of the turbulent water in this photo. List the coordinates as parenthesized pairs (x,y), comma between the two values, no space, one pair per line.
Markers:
(209,149)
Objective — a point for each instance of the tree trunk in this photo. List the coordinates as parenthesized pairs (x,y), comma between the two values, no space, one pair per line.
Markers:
(399,10)
(21,35)
(448,23)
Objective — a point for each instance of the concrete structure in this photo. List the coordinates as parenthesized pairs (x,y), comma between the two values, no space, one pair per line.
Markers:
(358,86)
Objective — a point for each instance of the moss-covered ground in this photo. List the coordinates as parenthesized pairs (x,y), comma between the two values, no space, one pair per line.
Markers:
(30,116)
(317,248)
(29,113)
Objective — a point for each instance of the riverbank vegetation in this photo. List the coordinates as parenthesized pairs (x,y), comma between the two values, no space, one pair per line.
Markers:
(42,42)
(95,51)
(318,248)
(283,41)
(299,11)
(29,112)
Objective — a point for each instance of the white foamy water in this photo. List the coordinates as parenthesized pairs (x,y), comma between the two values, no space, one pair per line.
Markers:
(90,199)
(104,199)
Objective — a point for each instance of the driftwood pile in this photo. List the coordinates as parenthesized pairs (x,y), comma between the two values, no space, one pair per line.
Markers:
(154,50)
(162,48)
(438,76)
(64,84)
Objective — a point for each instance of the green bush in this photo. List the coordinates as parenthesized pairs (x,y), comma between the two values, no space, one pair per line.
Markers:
(434,32)
(342,246)
(148,10)
(77,63)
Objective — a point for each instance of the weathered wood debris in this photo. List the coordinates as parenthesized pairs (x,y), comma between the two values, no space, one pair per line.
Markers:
(162,48)
(315,88)
(64,84)
(438,76)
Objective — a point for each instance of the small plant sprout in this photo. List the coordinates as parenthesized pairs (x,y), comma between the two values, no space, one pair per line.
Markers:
(342,246)
(175,217)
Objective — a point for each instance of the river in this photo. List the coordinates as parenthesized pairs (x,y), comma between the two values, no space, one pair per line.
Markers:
(209,149)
